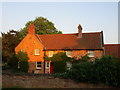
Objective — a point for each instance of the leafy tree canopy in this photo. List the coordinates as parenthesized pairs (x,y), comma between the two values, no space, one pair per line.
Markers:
(22,56)
(9,41)
(43,26)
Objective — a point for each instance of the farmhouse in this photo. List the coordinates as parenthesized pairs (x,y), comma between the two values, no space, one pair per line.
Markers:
(74,45)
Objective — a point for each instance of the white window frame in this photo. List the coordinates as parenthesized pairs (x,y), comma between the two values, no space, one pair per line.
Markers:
(51,53)
(37,52)
(22,50)
(47,65)
(37,65)
(68,54)
(69,65)
(90,53)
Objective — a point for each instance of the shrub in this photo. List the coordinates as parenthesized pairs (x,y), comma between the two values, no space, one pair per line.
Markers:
(85,58)
(22,56)
(105,70)
(14,63)
(23,61)
(59,62)
(59,66)
(23,66)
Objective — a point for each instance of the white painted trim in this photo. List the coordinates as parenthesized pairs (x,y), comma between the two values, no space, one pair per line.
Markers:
(90,51)
(37,53)
(50,54)
(38,67)
(68,55)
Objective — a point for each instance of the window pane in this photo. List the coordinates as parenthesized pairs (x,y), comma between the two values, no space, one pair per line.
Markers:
(91,53)
(38,62)
(50,53)
(37,52)
(69,53)
(38,65)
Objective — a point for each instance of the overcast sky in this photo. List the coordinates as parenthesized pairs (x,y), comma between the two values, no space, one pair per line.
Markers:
(93,16)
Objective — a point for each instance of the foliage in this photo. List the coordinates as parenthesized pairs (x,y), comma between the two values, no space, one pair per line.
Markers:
(12,38)
(63,75)
(105,70)
(22,56)
(59,62)
(23,61)
(13,63)
(24,66)
(85,58)
(43,26)
(9,41)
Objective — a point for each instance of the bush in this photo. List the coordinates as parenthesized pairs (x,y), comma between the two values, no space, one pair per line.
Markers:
(23,66)
(59,62)
(105,70)
(14,63)
(85,58)
(59,66)
(23,61)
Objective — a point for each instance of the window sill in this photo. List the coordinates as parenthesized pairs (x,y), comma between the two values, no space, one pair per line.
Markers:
(38,68)
(47,68)
(37,54)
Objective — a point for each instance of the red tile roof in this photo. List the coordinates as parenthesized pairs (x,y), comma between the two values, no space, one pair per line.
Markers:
(112,49)
(71,41)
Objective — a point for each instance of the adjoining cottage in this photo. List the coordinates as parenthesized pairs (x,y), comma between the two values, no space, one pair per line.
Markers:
(74,45)
(112,49)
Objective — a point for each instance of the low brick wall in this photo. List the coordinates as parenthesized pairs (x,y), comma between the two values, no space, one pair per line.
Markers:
(42,81)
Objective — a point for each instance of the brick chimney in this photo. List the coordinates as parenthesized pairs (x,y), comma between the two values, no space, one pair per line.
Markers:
(31,29)
(79,31)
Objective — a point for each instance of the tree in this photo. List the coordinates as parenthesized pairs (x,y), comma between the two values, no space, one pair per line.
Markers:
(23,61)
(9,41)
(59,61)
(43,26)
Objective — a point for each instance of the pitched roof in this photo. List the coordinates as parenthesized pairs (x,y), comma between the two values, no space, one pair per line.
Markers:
(71,41)
(112,49)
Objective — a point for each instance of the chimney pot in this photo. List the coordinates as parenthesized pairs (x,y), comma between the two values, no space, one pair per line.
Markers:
(79,31)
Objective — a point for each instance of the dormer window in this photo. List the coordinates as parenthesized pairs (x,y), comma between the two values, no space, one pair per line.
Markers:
(37,51)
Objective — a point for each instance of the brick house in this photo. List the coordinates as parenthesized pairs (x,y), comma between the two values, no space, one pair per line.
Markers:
(74,45)
(112,49)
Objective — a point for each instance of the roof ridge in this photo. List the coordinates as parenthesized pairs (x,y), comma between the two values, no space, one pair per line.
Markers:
(71,33)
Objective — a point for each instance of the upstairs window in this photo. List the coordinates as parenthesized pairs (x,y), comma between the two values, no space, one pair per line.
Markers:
(90,54)
(69,53)
(22,50)
(37,51)
(38,65)
(50,53)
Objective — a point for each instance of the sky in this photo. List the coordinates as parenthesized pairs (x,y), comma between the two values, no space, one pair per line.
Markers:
(93,16)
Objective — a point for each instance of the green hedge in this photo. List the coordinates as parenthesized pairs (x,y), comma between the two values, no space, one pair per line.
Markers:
(105,70)
(59,62)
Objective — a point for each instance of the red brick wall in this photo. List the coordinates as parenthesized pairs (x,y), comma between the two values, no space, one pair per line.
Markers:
(79,53)
(29,44)
(112,49)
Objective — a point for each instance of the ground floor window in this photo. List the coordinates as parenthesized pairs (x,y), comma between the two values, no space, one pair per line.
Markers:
(47,65)
(38,65)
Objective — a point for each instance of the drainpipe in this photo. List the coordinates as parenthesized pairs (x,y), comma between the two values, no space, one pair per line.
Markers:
(102,38)
(44,60)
